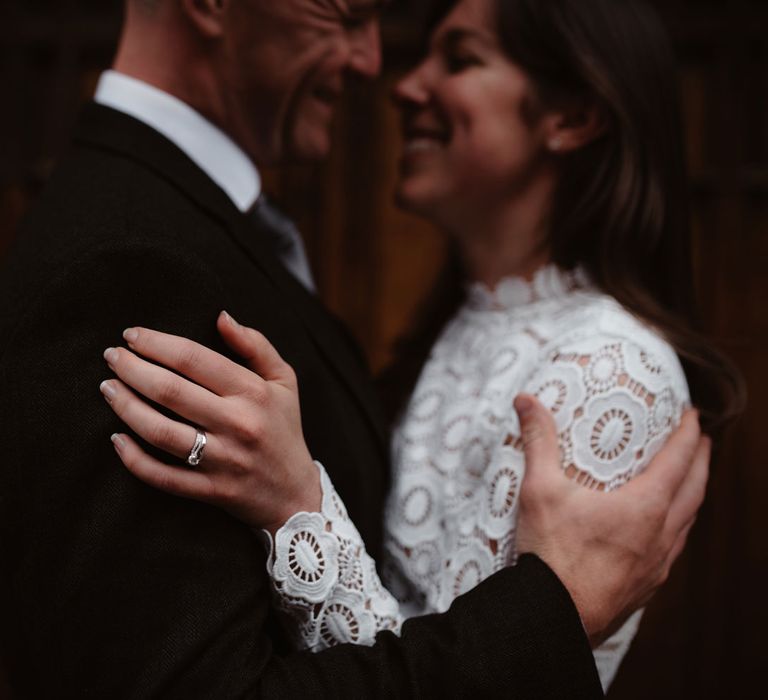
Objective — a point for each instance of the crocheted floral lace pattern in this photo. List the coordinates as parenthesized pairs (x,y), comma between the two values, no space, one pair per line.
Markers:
(616,390)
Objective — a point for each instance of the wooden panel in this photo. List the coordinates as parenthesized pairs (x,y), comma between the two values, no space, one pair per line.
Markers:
(704,636)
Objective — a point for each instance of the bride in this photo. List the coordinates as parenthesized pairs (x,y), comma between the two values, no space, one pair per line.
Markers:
(543,138)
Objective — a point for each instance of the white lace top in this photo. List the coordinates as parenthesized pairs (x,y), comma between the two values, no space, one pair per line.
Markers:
(616,389)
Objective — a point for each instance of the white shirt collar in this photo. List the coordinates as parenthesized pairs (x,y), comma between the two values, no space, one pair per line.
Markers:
(209,147)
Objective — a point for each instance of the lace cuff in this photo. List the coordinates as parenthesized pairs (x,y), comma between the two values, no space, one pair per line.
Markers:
(325,582)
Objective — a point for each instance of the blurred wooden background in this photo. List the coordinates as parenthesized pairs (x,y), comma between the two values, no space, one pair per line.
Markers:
(706,635)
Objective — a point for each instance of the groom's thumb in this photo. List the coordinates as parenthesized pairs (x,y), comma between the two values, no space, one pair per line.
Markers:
(539,435)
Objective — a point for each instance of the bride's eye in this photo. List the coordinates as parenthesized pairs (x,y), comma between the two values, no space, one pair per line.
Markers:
(457,61)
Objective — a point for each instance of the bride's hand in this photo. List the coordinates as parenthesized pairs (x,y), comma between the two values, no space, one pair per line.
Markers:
(255,464)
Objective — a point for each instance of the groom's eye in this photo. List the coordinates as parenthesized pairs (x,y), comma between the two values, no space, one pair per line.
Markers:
(353,22)
(358,18)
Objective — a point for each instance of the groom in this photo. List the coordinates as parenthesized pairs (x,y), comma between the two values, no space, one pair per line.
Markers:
(109,589)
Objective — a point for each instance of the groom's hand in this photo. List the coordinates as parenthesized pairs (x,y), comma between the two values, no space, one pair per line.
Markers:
(613,550)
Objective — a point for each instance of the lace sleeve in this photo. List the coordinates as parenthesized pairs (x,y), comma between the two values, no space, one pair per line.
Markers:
(615,402)
(325,582)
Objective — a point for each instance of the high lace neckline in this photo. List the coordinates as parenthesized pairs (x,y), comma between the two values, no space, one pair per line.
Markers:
(549,282)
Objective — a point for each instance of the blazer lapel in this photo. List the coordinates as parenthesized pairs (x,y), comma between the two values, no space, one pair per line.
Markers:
(330,342)
(114,131)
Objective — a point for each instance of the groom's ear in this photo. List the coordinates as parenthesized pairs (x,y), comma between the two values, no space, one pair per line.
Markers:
(206,15)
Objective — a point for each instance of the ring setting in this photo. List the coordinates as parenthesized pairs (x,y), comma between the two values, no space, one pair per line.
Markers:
(196,453)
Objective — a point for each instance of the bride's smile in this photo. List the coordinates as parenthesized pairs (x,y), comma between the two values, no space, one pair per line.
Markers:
(472,134)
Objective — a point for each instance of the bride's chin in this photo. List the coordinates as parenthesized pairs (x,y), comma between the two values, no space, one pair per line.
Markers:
(413,202)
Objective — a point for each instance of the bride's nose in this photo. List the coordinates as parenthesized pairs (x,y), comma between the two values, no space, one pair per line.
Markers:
(413,88)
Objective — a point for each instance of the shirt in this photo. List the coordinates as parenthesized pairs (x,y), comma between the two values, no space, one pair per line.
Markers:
(215,153)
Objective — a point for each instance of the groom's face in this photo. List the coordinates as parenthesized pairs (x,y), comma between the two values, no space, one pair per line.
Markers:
(286,64)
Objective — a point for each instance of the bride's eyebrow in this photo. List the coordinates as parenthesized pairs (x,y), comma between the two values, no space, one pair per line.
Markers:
(458,36)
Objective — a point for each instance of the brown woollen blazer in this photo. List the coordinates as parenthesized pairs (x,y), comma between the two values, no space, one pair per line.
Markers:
(110,589)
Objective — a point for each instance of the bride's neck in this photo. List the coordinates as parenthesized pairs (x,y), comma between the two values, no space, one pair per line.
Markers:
(509,240)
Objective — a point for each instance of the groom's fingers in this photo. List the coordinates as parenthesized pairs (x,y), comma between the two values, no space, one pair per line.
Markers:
(541,447)
(168,389)
(174,480)
(690,495)
(678,547)
(202,365)
(670,469)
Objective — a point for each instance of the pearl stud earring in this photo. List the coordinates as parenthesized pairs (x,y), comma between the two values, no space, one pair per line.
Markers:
(556,143)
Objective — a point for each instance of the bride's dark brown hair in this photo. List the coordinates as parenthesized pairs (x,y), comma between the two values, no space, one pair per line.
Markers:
(621,207)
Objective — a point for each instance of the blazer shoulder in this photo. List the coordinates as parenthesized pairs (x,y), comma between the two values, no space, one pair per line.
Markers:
(96,196)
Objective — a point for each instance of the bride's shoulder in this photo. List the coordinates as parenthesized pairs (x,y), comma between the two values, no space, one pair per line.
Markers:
(614,385)
(597,325)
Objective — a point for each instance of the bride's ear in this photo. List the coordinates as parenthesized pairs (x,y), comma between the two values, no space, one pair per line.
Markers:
(575,126)
(207,16)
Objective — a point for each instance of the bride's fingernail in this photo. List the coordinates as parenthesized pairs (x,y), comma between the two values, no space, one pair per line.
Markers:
(108,390)
(110,355)
(230,320)
(118,442)
(130,335)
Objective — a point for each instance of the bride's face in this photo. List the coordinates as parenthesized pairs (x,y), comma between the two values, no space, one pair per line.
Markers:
(470,137)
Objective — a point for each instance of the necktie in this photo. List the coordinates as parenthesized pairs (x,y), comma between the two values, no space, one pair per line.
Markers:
(284,238)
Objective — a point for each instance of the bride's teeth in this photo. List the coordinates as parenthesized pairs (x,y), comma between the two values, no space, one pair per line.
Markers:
(420,145)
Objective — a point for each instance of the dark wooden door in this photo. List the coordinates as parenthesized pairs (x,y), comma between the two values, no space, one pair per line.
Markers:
(705,637)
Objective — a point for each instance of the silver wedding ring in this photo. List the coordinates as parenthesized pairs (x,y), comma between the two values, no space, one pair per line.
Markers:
(196,453)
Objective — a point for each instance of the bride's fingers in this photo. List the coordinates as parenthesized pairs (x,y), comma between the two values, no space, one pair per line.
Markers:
(174,480)
(258,352)
(202,365)
(158,430)
(168,389)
